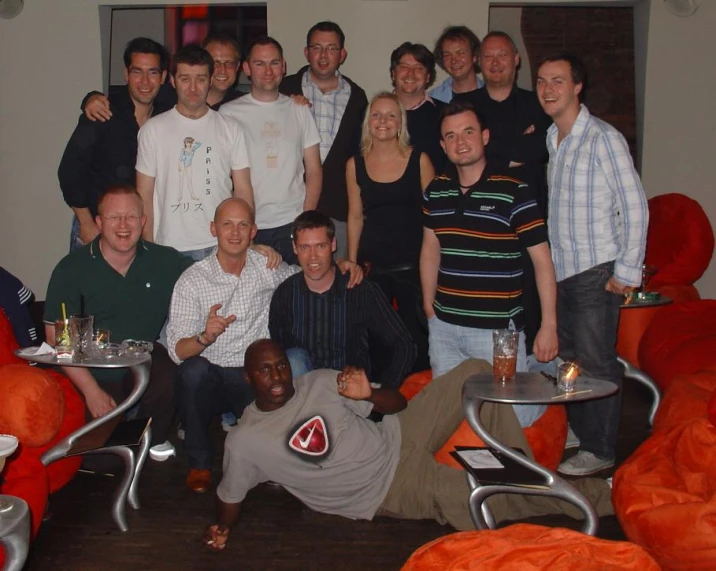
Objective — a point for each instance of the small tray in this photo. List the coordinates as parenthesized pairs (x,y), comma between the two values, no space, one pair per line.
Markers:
(642,296)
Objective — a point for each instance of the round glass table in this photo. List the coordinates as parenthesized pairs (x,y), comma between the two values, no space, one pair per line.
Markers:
(527,388)
(92,437)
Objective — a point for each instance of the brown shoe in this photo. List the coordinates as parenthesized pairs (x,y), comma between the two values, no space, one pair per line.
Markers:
(198,480)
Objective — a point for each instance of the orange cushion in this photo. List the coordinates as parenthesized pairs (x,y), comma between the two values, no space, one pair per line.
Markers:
(680,339)
(61,472)
(712,409)
(665,496)
(685,399)
(546,436)
(32,405)
(679,242)
(523,546)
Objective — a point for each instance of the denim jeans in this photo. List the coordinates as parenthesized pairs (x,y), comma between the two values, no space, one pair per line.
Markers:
(280,240)
(207,390)
(450,345)
(587,319)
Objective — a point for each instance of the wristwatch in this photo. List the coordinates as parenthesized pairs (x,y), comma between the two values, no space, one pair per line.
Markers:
(200,341)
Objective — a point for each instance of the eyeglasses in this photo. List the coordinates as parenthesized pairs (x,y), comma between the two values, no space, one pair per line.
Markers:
(116,219)
(317,48)
(229,63)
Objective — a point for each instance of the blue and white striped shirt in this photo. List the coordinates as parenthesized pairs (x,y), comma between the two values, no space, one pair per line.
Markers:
(327,108)
(597,207)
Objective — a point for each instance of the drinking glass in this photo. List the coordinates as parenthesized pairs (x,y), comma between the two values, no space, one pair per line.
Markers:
(81,327)
(567,376)
(504,354)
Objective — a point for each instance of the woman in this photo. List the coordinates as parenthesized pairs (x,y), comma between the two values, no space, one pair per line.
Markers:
(385,228)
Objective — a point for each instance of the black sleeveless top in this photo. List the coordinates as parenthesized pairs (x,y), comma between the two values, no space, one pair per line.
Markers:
(393,220)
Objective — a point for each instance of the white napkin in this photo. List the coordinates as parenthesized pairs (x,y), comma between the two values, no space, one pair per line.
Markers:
(43,349)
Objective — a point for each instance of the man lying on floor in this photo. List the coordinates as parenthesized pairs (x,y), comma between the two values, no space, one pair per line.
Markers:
(311,436)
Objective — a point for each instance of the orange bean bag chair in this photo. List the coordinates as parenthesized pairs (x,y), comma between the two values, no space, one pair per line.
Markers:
(680,339)
(686,398)
(665,496)
(679,241)
(546,436)
(679,244)
(522,546)
(40,407)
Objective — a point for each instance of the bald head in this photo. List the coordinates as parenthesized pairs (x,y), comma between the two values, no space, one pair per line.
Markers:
(234,204)
(258,348)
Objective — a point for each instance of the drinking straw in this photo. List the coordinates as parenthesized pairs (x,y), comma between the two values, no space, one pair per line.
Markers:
(64,313)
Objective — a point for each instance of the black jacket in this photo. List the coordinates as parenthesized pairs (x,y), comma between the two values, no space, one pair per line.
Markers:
(334,194)
(101,154)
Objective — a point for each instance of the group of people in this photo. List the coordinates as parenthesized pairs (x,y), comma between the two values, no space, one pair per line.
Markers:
(270,237)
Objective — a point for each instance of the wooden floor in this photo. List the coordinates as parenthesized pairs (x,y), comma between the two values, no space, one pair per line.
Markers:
(275,531)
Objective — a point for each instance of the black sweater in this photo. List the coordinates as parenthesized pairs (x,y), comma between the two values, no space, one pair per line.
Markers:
(334,194)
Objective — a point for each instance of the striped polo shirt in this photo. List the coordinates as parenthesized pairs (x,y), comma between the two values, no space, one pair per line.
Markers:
(481,234)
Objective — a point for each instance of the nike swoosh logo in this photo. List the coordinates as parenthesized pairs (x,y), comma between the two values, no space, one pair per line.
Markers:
(304,442)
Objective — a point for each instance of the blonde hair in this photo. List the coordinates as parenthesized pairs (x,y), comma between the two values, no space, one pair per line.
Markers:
(366,141)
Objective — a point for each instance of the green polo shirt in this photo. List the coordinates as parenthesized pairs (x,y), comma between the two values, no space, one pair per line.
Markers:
(134,306)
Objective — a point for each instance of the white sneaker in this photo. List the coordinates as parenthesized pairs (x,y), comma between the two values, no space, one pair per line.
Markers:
(162,452)
(584,463)
(572,440)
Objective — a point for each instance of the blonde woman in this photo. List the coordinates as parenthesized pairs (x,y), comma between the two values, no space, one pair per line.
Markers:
(385,228)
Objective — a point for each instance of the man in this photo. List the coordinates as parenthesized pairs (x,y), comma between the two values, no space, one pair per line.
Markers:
(99,155)
(15,299)
(412,71)
(597,230)
(283,145)
(125,283)
(310,434)
(220,305)
(188,159)
(227,59)
(518,128)
(337,105)
(226,54)
(475,226)
(315,312)
(456,52)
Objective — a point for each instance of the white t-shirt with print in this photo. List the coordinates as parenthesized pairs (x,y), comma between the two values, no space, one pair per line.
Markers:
(277,134)
(191,161)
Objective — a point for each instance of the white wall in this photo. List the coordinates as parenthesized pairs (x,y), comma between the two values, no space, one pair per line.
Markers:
(128,24)
(373,28)
(680,111)
(50,56)
(508,19)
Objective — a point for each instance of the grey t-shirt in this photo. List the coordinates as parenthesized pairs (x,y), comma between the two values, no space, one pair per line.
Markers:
(319,446)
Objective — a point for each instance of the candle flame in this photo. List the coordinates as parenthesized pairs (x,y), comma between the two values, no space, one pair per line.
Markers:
(572,372)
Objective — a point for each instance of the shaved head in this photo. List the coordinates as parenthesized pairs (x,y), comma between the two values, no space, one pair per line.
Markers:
(234,201)
(257,348)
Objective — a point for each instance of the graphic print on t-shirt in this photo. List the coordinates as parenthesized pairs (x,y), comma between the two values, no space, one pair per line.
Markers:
(271,135)
(310,438)
(186,156)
